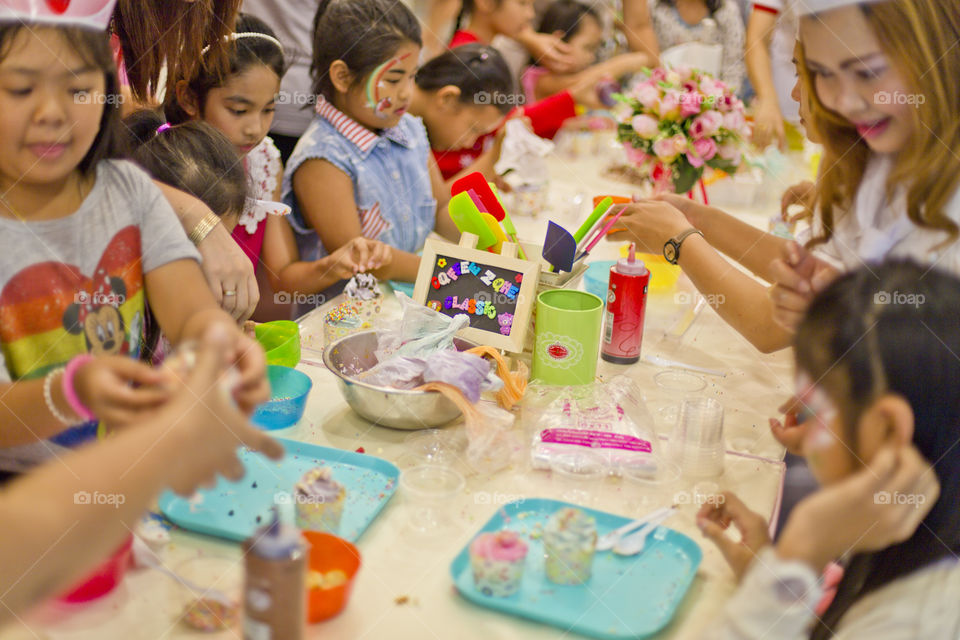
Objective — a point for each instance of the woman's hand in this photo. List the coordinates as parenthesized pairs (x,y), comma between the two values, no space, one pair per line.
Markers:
(714,519)
(879,506)
(799,276)
(649,224)
(802,194)
(229,273)
(692,210)
(791,432)
(119,390)
(768,125)
(549,51)
(210,426)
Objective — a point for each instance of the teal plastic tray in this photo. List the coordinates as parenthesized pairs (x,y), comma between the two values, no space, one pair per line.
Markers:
(633,597)
(233,510)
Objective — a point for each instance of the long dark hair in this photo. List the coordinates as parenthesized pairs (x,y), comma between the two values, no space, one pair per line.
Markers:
(565,16)
(93,47)
(473,68)
(893,328)
(243,53)
(362,33)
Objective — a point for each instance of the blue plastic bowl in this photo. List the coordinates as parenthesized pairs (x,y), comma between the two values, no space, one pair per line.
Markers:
(289,389)
(597,278)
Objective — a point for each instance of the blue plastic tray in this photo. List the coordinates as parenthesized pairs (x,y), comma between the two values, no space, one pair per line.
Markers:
(233,510)
(625,597)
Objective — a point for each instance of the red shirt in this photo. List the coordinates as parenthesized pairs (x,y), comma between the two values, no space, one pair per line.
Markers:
(546,116)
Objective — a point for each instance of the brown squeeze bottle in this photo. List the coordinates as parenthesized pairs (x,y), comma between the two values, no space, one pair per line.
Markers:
(274,590)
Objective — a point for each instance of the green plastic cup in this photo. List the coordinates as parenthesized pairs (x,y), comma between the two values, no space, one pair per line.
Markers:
(567,335)
(281,340)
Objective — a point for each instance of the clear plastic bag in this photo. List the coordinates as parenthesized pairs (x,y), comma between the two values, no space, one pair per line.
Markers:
(422,332)
(610,418)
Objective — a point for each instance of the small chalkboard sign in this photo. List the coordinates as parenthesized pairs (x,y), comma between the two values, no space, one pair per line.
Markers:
(496,291)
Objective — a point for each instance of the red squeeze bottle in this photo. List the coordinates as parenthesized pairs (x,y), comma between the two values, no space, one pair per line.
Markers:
(626,304)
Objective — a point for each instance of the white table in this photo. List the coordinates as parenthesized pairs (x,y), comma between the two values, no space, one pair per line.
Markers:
(404,589)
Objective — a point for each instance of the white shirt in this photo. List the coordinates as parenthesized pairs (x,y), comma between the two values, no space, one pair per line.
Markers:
(877,229)
(781,56)
(777,600)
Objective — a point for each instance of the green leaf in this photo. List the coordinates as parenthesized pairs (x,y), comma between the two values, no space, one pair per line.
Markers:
(685,175)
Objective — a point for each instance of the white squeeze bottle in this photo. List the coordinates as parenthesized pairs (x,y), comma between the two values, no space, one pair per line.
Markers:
(274,589)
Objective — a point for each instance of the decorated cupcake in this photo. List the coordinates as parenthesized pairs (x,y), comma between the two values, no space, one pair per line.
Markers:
(341,321)
(497,561)
(569,541)
(363,296)
(319,501)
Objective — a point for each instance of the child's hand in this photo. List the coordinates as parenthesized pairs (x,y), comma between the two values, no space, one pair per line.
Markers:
(119,389)
(791,432)
(713,520)
(360,254)
(550,51)
(211,428)
(247,357)
(799,276)
(881,505)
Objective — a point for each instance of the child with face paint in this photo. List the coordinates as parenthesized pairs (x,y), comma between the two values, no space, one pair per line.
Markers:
(877,380)
(363,167)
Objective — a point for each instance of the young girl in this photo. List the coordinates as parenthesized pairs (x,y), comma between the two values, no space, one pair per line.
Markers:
(363,167)
(711,22)
(454,108)
(579,26)
(879,381)
(88,240)
(889,186)
(196,158)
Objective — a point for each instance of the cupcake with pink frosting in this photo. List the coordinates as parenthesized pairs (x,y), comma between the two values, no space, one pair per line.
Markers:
(497,561)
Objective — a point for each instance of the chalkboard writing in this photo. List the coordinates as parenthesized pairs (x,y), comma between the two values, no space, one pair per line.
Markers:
(487,294)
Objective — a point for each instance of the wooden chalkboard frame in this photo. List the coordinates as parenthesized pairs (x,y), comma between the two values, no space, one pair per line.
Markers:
(506,260)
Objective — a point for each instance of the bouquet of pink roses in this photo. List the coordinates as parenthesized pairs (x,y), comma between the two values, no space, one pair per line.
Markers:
(680,121)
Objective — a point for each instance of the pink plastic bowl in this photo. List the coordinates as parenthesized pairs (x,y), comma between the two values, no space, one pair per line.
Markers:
(104,579)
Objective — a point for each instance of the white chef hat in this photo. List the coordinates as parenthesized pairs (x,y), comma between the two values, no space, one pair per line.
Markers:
(808,7)
(93,14)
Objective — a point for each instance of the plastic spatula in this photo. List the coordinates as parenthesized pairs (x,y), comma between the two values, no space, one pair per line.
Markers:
(494,226)
(478,184)
(598,212)
(465,215)
(559,247)
(508,224)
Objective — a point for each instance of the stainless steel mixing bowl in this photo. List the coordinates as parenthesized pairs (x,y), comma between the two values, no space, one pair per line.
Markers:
(385,406)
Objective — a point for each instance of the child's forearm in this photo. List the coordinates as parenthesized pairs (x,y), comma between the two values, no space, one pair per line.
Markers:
(307,277)
(740,300)
(403,267)
(64,517)
(24,413)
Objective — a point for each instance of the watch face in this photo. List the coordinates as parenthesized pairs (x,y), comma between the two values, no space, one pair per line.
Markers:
(670,252)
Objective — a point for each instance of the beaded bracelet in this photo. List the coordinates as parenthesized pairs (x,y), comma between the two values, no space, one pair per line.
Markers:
(49,398)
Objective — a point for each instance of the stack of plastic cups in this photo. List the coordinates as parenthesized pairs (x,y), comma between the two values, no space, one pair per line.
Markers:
(697,442)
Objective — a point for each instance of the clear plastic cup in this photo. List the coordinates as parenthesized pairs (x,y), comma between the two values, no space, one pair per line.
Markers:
(578,475)
(673,386)
(434,447)
(428,491)
(697,442)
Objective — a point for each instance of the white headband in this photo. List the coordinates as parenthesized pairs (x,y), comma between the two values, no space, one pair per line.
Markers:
(246,34)
(810,7)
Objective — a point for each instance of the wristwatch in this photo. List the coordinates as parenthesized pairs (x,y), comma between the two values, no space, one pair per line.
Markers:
(671,248)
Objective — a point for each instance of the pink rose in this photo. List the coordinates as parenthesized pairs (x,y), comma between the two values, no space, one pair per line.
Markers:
(668,148)
(689,104)
(634,155)
(695,161)
(684,72)
(658,75)
(706,124)
(706,148)
(646,94)
(734,121)
(730,152)
(711,87)
(669,105)
(645,126)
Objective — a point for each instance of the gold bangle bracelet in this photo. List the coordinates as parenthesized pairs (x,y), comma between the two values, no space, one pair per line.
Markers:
(203,228)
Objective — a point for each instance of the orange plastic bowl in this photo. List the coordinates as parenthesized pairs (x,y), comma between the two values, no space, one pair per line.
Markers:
(104,579)
(330,553)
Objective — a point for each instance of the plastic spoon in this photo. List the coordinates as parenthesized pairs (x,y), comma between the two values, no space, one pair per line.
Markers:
(609,540)
(634,543)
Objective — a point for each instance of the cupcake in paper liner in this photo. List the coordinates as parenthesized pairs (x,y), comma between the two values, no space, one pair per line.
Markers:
(319,501)
(497,561)
(341,321)
(569,542)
